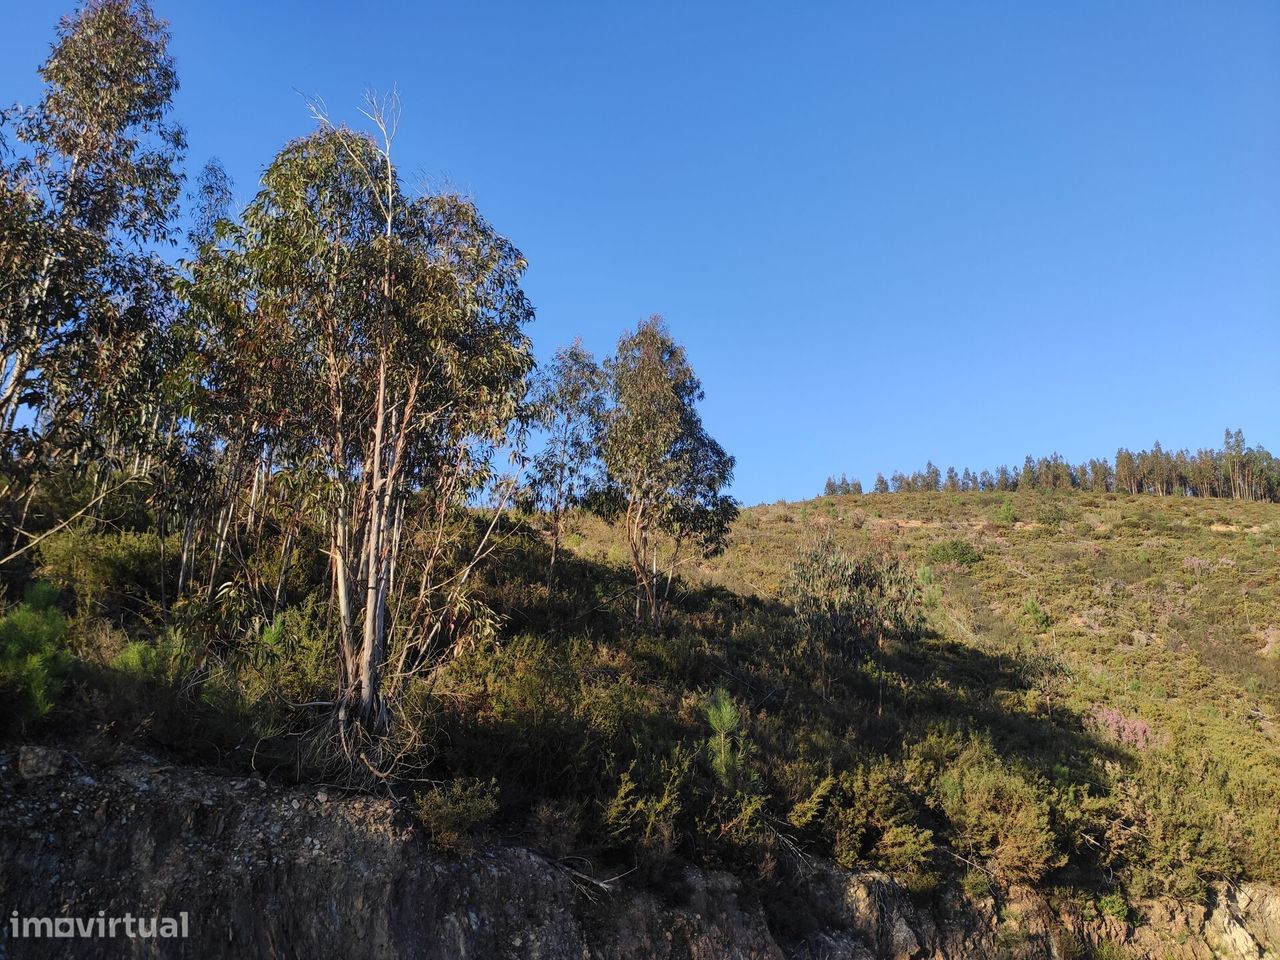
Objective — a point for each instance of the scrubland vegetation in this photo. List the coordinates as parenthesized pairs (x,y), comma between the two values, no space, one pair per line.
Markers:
(1084,698)
(255,518)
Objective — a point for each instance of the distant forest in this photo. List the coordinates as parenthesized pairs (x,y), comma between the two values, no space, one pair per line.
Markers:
(1236,471)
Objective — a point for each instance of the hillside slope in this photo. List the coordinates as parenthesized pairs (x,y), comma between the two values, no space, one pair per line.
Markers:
(1148,626)
(1052,706)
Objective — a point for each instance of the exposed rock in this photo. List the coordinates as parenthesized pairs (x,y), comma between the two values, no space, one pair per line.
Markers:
(266,871)
(36,762)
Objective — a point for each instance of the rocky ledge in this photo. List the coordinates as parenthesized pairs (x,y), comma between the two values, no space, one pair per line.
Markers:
(267,871)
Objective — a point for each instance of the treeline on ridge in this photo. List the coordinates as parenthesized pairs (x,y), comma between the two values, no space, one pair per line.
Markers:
(1236,471)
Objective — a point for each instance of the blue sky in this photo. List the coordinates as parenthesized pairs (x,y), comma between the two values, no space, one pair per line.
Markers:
(885,232)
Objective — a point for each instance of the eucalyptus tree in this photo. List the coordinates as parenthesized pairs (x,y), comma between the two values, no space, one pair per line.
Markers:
(91,187)
(89,182)
(567,402)
(667,473)
(376,345)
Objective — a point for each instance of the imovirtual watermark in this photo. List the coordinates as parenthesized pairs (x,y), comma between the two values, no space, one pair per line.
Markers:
(164,928)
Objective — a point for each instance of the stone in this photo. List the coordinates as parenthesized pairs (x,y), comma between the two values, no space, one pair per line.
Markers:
(35,763)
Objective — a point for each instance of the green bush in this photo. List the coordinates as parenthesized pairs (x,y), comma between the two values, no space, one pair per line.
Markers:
(873,821)
(959,552)
(113,575)
(1005,515)
(32,660)
(1036,615)
(138,658)
(647,806)
(847,603)
(451,812)
(1114,905)
(999,818)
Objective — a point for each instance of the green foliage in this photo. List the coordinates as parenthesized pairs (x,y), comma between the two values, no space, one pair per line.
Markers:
(1005,516)
(663,471)
(931,590)
(646,812)
(1114,905)
(1000,817)
(567,402)
(725,746)
(874,822)
(32,661)
(807,810)
(959,552)
(846,603)
(115,576)
(99,180)
(1036,615)
(976,884)
(451,812)
(138,658)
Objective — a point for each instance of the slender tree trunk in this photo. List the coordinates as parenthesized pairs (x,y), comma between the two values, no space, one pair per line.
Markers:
(370,648)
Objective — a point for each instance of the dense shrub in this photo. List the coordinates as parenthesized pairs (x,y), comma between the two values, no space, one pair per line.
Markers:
(874,821)
(113,575)
(999,818)
(846,603)
(451,812)
(835,723)
(959,552)
(32,660)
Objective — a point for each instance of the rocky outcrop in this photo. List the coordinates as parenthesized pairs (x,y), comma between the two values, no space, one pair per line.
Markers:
(265,871)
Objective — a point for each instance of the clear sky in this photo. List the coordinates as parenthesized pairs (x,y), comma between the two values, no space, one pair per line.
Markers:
(885,231)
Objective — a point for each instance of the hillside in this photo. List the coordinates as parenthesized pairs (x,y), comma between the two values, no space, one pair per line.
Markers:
(1128,646)
(301,511)
(1074,742)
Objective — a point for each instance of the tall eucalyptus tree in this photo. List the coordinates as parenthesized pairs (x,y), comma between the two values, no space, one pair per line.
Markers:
(89,182)
(375,342)
(661,463)
(567,402)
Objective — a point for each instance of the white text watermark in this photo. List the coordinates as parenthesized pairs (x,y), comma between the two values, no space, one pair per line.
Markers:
(134,928)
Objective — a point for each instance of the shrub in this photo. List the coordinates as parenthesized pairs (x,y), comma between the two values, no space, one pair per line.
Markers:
(137,658)
(1005,515)
(1112,725)
(873,822)
(451,812)
(845,603)
(32,661)
(999,818)
(976,884)
(114,575)
(959,552)
(931,594)
(1050,513)
(1036,615)
(1114,905)
(647,804)
(1180,822)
